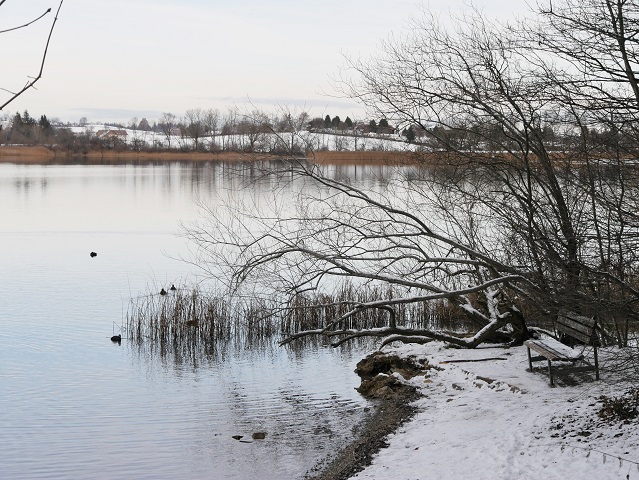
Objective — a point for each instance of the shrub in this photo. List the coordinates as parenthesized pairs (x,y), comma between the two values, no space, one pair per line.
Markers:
(620,408)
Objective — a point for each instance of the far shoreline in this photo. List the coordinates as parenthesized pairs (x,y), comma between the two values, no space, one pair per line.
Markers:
(43,155)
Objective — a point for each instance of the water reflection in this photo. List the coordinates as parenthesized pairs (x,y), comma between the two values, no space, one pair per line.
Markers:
(76,405)
(291,394)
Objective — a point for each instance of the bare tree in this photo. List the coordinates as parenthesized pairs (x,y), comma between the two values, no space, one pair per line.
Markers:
(253,130)
(481,78)
(289,124)
(229,125)
(337,231)
(598,40)
(168,125)
(195,127)
(33,79)
(497,222)
(211,118)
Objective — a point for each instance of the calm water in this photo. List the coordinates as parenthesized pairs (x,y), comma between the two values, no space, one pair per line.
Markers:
(75,405)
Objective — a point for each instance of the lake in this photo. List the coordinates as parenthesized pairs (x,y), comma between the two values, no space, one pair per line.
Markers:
(73,404)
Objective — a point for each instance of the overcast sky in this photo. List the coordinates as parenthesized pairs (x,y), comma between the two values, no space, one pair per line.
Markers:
(115,60)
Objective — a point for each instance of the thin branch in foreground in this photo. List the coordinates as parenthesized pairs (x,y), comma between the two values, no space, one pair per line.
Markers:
(26,24)
(32,82)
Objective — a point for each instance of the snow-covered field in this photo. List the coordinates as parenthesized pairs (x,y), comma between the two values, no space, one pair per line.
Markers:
(492,420)
(314,140)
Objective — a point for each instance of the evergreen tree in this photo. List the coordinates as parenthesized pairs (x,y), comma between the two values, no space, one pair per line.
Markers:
(26,118)
(336,121)
(327,121)
(383,123)
(372,125)
(44,122)
(17,121)
(348,122)
(409,133)
(144,125)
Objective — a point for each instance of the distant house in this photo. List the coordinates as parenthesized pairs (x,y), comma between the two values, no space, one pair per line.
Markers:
(112,135)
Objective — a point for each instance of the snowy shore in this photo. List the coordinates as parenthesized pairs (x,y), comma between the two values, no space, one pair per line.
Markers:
(484,416)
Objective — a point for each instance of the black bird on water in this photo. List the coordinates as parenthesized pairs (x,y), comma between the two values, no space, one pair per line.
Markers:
(116,339)
(162,292)
(93,254)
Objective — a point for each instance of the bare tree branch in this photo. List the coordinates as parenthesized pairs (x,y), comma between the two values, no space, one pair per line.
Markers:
(26,24)
(524,202)
(31,83)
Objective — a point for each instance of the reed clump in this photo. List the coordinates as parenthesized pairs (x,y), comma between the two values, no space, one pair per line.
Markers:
(192,316)
(181,316)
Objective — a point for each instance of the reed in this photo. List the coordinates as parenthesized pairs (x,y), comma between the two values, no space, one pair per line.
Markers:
(195,318)
(178,316)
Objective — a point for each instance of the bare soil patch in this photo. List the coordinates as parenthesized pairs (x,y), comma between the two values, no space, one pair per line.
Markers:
(369,438)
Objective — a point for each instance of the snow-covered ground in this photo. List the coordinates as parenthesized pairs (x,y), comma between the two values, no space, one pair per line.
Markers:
(314,140)
(492,420)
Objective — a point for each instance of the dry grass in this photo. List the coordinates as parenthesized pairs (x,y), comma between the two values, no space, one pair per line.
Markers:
(40,154)
(363,157)
(35,155)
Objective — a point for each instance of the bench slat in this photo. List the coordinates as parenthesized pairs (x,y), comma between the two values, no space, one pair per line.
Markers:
(589,321)
(587,339)
(553,350)
(576,326)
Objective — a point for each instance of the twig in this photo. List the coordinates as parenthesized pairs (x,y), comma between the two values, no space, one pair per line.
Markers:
(31,83)
(26,24)
(589,450)
(474,360)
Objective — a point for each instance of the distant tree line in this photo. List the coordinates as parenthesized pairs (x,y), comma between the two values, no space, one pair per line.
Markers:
(196,130)
(25,129)
(210,130)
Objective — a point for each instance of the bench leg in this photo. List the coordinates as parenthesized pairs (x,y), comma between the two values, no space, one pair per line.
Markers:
(552,381)
(529,359)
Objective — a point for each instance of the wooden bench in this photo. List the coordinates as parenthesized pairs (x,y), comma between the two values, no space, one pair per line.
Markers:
(575,326)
